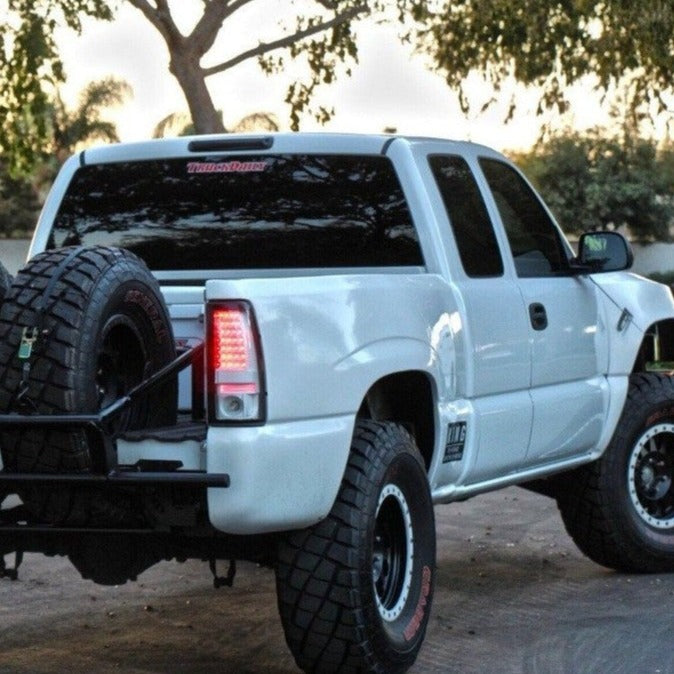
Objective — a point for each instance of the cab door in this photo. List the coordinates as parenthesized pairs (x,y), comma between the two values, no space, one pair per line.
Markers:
(568,388)
(495,372)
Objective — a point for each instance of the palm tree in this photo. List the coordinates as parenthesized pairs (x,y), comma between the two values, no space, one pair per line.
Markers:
(180,124)
(73,128)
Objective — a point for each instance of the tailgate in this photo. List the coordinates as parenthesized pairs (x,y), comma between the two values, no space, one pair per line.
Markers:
(186,309)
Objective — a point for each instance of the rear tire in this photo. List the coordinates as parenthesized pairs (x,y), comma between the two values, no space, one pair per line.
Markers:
(620,509)
(355,590)
(105,328)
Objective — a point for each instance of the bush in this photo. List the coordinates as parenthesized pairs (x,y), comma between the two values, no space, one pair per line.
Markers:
(19,206)
(666,278)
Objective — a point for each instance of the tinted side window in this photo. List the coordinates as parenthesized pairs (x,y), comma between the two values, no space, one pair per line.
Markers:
(534,240)
(473,230)
(264,211)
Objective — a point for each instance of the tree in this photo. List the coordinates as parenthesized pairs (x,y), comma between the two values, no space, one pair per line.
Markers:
(30,72)
(67,130)
(70,129)
(595,181)
(321,33)
(549,44)
(552,45)
(180,124)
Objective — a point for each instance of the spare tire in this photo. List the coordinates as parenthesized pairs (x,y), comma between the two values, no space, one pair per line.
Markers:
(102,327)
(5,281)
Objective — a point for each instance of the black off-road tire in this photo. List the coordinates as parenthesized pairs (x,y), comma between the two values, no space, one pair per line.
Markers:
(104,328)
(355,590)
(619,510)
(5,282)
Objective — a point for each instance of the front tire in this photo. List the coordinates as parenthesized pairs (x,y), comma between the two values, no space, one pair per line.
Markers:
(355,590)
(620,509)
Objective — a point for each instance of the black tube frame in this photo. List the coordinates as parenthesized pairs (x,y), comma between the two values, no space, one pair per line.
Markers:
(102,442)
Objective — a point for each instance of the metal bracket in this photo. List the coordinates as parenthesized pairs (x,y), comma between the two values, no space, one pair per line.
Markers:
(12,574)
(223,581)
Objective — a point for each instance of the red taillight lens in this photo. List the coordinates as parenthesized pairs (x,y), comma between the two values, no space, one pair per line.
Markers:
(234,363)
(231,340)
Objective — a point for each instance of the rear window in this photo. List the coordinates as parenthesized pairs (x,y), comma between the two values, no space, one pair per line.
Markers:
(280,211)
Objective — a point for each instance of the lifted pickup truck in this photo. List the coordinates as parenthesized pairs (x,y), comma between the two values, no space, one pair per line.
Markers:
(288,348)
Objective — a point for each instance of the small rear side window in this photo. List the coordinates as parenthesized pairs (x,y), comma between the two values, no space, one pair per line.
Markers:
(468,217)
(253,212)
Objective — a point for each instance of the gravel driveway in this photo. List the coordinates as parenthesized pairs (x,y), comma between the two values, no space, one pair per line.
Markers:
(513,595)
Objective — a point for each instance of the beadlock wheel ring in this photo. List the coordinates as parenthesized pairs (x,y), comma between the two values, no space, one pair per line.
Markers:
(393,553)
(650,476)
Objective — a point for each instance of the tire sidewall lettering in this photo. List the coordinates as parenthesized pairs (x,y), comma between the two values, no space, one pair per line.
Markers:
(135,299)
(659,415)
(418,618)
(409,628)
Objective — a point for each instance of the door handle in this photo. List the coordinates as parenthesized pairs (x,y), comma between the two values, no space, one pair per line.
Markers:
(538,316)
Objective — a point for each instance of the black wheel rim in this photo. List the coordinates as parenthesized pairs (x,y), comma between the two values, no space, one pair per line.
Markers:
(392,554)
(651,476)
(120,362)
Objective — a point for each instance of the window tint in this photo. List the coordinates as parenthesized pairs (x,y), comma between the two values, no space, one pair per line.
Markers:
(249,212)
(473,230)
(534,240)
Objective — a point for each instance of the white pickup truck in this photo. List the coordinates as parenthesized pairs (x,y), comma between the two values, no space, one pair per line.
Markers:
(364,326)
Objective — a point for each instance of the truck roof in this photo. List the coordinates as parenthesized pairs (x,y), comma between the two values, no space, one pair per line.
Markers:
(278,143)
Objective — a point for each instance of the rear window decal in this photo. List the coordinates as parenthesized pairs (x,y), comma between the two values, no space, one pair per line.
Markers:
(226,167)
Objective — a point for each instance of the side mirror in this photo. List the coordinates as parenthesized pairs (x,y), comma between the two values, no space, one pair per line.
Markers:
(604,251)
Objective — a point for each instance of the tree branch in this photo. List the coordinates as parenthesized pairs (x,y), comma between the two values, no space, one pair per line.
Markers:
(160,17)
(266,47)
(206,31)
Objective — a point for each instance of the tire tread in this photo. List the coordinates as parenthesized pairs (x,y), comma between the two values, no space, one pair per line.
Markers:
(324,624)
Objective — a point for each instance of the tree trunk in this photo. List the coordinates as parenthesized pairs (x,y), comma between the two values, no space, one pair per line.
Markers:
(187,70)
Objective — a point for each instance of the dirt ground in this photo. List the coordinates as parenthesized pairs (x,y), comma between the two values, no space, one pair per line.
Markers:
(513,595)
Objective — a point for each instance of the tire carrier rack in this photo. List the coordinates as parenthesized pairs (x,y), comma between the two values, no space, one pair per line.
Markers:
(19,534)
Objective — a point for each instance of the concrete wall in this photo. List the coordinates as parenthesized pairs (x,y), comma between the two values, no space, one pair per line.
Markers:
(653,258)
(649,258)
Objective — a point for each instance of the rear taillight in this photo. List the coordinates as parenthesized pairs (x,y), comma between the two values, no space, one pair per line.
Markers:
(234,363)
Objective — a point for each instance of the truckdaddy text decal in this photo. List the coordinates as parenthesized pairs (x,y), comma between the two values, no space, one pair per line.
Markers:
(226,166)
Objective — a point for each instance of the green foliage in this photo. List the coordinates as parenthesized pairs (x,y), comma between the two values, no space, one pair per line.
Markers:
(19,205)
(552,44)
(65,131)
(595,181)
(30,71)
(666,278)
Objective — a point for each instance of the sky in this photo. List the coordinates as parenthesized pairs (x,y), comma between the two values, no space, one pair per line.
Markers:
(391,86)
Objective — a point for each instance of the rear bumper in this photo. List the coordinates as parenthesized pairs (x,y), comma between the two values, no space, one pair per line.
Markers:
(283,475)
(116,478)
(258,479)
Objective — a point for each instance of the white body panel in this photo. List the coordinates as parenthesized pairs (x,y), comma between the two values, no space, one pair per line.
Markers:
(534,401)
(325,342)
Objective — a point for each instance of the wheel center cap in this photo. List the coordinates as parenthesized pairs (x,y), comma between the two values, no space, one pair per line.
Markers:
(647,476)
